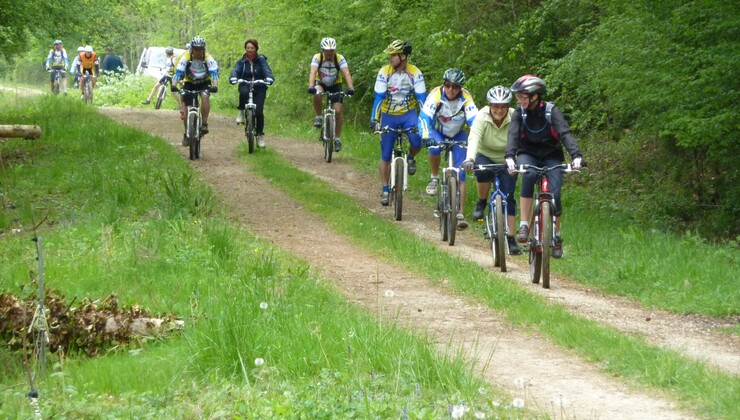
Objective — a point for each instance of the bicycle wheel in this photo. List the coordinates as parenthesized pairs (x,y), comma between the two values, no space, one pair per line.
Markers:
(453,199)
(498,243)
(249,129)
(88,92)
(328,137)
(192,133)
(443,215)
(398,188)
(160,96)
(535,257)
(546,234)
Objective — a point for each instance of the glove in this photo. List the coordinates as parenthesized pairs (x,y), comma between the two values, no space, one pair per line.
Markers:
(47,69)
(429,142)
(576,164)
(213,89)
(468,165)
(233,80)
(350,91)
(270,81)
(312,90)
(173,88)
(374,125)
(510,165)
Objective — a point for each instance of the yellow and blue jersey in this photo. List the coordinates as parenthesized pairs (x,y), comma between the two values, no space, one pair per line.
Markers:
(397,93)
(446,116)
(196,71)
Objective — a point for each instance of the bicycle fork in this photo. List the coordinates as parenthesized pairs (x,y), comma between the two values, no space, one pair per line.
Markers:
(405,172)
(544,196)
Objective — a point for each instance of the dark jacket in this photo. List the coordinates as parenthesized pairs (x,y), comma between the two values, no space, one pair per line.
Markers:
(538,140)
(253,70)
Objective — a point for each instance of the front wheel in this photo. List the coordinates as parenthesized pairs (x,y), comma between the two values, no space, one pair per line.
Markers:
(249,129)
(498,241)
(192,134)
(160,96)
(453,200)
(546,229)
(398,188)
(535,256)
(444,216)
(88,92)
(328,137)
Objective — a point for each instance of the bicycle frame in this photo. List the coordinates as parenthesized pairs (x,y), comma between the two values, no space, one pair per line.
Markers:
(250,123)
(57,76)
(329,123)
(88,87)
(398,163)
(193,120)
(447,206)
(496,220)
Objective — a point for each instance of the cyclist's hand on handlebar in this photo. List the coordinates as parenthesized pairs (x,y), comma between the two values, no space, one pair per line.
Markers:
(577,163)
(350,91)
(213,89)
(269,81)
(510,166)
(468,165)
(173,88)
(374,125)
(233,80)
(312,90)
(429,142)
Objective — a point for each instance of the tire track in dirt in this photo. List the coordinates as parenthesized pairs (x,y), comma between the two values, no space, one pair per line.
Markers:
(560,384)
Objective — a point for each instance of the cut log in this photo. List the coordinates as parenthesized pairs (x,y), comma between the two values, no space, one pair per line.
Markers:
(24,131)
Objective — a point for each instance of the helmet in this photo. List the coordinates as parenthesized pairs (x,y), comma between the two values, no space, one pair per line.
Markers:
(328,44)
(88,49)
(398,47)
(529,84)
(80,49)
(455,76)
(169,50)
(499,95)
(58,41)
(198,42)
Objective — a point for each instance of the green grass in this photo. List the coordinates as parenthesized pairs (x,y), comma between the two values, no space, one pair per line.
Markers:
(124,213)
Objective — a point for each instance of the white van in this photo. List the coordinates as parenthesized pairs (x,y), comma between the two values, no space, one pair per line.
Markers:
(152,61)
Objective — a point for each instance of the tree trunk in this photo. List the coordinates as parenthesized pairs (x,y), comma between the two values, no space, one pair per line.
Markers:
(25,131)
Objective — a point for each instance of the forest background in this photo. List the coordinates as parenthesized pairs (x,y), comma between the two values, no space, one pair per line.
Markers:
(649,86)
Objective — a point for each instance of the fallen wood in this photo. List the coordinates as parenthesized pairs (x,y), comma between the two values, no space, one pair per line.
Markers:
(23,131)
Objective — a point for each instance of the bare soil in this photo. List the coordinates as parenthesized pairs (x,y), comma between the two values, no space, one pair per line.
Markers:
(549,378)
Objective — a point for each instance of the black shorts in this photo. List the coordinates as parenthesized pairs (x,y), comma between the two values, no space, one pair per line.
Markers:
(332,89)
(62,73)
(188,99)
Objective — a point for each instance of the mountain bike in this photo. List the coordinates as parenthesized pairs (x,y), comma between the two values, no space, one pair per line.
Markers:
(496,221)
(193,120)
(250,122)
(541,233)
(399,179)
(448,194)
(87,88)
(56,76)
(162,93)
(329,123)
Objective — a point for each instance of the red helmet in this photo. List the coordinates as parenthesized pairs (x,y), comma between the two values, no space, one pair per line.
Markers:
(529,84)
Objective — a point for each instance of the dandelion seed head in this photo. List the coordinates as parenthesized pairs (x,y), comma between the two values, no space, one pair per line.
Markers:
(520,382)
(560,401)
(259,361)
(518,403)
(263,305)
(351,334)
(495,404)
(389,293)
(480,415)
(457,411)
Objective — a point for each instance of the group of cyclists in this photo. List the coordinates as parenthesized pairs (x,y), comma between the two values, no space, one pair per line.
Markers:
(534,133)
(85,62)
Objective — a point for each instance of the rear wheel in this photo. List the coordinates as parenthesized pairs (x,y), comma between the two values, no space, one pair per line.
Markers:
(546,229)
(453,199)
(249,129)
(328,137)
(500,239)
(398,188)
(192,133)
(160,96)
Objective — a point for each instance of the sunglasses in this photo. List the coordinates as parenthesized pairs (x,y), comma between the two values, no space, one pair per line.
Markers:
(450,85)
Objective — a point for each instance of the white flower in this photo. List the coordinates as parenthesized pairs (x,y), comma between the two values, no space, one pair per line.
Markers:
(458,411)
(517,403)
(520,383)
(351,333)
(259,361)
(263,305)
(389,293)
(480,415)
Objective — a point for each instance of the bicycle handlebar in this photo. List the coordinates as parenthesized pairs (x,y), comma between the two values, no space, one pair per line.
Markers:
(490,167)
(252,82)
(448,143)
(387,129)
(194,92)
(332,95)
(565,167)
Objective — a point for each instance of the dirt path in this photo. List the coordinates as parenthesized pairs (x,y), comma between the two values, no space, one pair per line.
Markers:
(563,386)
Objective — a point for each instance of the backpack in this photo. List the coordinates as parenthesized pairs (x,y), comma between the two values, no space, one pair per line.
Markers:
(336,65)
(548,117)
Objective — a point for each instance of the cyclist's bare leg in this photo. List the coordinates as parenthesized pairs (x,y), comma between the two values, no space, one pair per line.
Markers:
(338,120)
(385,172)
(64,84)
(205,108)
(413,152)
(525,206)
(317,102)
(434,162)
(154,90)
(462,197)
(483,189)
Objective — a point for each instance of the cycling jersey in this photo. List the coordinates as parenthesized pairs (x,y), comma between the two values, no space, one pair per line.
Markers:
(486,138)
(446,117)
(191,70)
(397,93)
(87,64)
(57,59)
(169,65)
(329,70)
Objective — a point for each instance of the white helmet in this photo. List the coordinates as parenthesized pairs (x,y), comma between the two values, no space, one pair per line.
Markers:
(88,49)
(80,49)
(328,44)
(499,95)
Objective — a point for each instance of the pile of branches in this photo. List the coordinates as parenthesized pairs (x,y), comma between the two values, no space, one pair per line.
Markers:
(92,327)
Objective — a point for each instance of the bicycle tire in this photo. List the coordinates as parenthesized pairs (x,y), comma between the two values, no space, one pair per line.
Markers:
(535,258)
(328,137)
(88,91)
(453,198)
(500,238)
(192,134)
(398,189)
(249,129)
(55,86)
(546,234)
(443,215)
(160,96)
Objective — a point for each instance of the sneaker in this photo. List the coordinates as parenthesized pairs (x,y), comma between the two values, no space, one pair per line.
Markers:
(480,209)
(412,166)
(462,224)
(432,186)
(385,198)
(317,122)
(240,118)
(513,247)
(522,234)
(204,128)
(261,142)
(185,142)
(146,102)
(557,248)
(337,145)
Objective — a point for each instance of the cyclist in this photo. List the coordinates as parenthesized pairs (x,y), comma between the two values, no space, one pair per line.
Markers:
(75,65)
(57,60)
(399,88)
(327,65)
(167,71)
(253,66)
(89,64)
(197,70)
(486,145)
(537,133)
(445,112)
